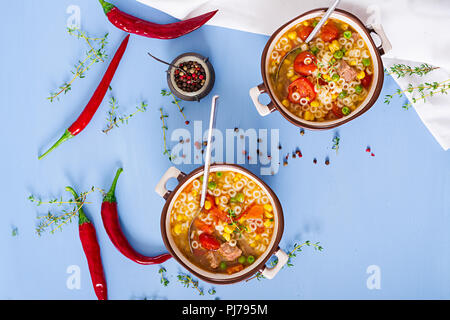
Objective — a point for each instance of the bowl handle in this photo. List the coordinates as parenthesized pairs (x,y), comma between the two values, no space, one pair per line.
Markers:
(171,173)
(283,258)
(262,109)
(385,46)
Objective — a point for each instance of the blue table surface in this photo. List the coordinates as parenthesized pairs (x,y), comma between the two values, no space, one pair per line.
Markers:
(391,210)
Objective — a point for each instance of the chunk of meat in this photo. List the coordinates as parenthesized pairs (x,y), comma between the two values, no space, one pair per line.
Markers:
(213,259)
(228,252)
(346,72)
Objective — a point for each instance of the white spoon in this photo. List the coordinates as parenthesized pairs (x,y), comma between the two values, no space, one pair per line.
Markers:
(207,164)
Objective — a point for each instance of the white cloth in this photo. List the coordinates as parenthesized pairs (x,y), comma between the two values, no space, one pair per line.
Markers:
(418,30)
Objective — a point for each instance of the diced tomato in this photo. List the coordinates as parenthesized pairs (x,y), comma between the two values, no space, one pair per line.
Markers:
(366,81)
(208,241)
(337,111)
(304,32)
(234,269)
(255,212)
(220,215)
(304,89)
(203,226)
(260,230)
(329,32)
(303,68)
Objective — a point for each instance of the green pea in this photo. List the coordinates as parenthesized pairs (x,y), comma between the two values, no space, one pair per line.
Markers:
(366,62)
(250,259)
(358,88)
(343,94)
(242,259)
(335,77)
(223,265)
(347,34)
(212,185)
(338,54)
(314,50)
(345,111)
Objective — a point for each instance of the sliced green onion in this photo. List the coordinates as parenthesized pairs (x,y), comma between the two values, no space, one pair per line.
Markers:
(343,94)
(358,88)
(250,259)
(338,54)
(219,174)
(242,259)
(366,62)
(314,50)
(347,34)
(345,111)
(212,185)
(335,77)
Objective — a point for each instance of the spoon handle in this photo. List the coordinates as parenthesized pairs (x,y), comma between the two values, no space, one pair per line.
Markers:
(322,21)
(208,150)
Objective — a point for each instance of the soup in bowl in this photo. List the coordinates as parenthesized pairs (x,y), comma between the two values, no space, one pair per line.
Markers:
(235,233)
(327,82)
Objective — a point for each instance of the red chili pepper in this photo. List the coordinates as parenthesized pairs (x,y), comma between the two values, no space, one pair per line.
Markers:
(91,249)
(112,225)
(148,29)
(97,98)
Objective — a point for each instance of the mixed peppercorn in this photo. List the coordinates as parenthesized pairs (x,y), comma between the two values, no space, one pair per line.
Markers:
(193,77)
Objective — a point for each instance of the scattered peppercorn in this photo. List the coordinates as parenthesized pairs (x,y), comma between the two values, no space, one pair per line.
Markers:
(302,132)
(187,122)
(327,161)
(372,154)
(315,161)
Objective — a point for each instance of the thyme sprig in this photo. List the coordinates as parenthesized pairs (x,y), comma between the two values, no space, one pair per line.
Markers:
(336,141)
(292,254)
(55,222)
(164,281)
(402,70)
(93,55)
(421,92)
(165,128)
(114,120)
(188,281)
(175,101)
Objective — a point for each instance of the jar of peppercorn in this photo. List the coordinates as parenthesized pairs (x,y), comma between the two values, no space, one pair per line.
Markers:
(191,76)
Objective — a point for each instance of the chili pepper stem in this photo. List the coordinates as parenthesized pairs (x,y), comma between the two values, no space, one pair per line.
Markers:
(66,136)
(107,7)
(110,196)
(82,218)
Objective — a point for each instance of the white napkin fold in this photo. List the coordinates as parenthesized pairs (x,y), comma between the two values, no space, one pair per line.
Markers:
(418,30)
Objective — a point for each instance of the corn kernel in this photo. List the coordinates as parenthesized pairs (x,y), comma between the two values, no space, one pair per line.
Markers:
(180,217)
(208,205)
(177,228)
(194,192)
(326,77)
(253,244)
(228,229)
(295,77)
(216,200)
(290,73)
(285,103)
(353,62)
(292,35)
(236,179)
(268,207)
(308,116)
(227,236)
(268,215)
(306,23)
(267,223)
(257,237)
(344,26)
(334,96)
(361,75)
